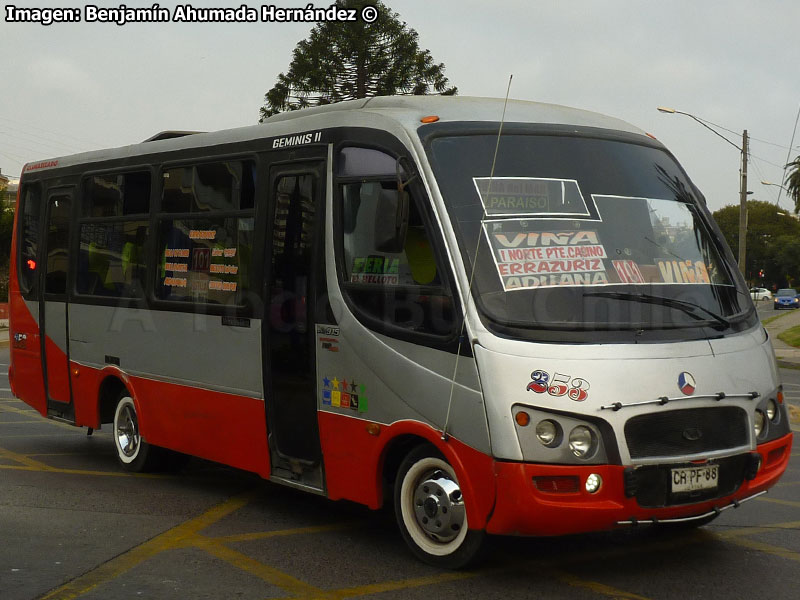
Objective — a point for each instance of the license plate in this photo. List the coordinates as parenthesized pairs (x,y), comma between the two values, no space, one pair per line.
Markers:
(695,478)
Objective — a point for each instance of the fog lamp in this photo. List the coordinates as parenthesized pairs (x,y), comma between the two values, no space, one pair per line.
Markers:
(593,483)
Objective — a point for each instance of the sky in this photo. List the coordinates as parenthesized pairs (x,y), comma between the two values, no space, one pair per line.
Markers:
(71,87)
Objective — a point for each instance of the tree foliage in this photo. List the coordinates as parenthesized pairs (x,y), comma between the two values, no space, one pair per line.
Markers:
(349,60)
(773,242)
(793,183)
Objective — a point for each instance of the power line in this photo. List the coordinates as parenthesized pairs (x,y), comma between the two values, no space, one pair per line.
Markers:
(25,134)
(783,146)
(92,143)
(47,148)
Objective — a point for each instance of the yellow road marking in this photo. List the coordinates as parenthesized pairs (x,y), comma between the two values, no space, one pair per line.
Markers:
(175,537)
(596,587)
(405,584)
(745,531)
(24,460)
(25,463)
(260,535)
(779,501)
(20,422)
(269,574)
(767,548)
(35,435)
(29,411)
(21,411)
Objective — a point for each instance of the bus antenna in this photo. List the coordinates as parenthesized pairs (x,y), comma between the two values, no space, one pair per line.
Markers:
(445,435)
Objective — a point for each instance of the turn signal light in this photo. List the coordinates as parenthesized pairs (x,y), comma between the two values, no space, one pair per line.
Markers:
(522,418)
(429,119)
(780,396)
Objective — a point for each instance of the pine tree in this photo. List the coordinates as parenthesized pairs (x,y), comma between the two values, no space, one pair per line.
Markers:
(348,60)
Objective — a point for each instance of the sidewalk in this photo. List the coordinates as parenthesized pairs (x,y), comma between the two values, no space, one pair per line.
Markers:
(783,352)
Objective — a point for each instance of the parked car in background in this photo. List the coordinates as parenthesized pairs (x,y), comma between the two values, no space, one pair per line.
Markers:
(786,298)
(760,293)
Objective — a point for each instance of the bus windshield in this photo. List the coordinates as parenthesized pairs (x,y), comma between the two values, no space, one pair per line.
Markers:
(586,234)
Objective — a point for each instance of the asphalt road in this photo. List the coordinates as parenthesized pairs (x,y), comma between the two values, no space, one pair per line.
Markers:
(73,525)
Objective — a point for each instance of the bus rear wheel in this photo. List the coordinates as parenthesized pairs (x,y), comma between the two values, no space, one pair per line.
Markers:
(431,513)
(133,453)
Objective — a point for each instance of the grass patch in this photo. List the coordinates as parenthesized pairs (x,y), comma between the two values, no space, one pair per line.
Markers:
(791,336)
(782,313)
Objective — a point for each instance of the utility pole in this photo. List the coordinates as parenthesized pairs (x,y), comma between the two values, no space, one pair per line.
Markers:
(743,207)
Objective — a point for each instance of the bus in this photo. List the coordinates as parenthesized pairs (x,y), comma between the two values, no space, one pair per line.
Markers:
(500,317)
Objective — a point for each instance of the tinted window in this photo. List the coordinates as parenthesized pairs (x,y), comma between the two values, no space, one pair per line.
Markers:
(204,260)
(111,261)
(389,267)
(116,195)
(584,234)
(57,260)
(209,187)
(29,221)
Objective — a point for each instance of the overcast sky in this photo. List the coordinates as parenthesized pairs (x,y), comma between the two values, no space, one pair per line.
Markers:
(736,63)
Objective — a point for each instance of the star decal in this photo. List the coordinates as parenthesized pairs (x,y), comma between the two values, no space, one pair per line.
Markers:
(335,383)
(326,382)
(353,387)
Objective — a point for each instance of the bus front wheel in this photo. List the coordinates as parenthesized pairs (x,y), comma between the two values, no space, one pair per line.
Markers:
(431,513)
(133,453)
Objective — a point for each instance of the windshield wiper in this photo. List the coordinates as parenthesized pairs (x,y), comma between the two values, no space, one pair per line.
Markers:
(689,308)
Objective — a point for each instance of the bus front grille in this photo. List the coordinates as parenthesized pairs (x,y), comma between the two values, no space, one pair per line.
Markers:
(686,432)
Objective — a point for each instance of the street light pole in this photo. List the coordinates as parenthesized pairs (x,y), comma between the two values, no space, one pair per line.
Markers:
(742,183)
(743,208)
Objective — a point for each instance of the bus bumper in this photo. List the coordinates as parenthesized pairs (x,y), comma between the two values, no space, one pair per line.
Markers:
(544,500)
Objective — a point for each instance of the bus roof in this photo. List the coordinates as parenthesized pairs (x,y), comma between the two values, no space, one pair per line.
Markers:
(405,111)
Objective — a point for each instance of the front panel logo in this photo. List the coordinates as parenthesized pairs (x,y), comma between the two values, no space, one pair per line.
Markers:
(686,383)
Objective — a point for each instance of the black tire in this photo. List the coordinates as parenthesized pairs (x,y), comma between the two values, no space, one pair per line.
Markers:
(430,511)
(133,452)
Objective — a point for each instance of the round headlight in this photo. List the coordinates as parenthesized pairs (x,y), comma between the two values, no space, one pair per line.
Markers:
(759,421)
(581,441)
(772,409)
(547,432)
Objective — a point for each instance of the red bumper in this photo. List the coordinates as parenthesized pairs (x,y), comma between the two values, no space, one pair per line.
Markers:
(524,509)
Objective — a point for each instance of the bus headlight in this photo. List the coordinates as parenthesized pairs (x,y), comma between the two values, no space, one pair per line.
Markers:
(772,409)
(759,421)
(548,433)
(582,441)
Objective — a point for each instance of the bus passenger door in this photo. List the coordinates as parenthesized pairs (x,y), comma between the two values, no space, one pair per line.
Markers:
(53,306)
(295,271)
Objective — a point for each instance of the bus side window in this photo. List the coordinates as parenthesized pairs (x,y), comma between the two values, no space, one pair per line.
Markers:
(389,268)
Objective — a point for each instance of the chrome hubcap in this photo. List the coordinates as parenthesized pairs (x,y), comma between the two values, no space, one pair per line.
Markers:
(127,432)
(439,506)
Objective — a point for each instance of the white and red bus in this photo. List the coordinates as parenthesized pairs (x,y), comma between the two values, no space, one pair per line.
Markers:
(520,322)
